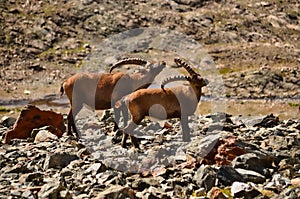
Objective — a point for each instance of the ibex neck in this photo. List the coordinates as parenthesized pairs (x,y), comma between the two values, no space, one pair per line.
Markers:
(197,91)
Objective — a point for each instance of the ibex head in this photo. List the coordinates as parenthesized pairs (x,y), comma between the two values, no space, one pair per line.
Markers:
(194,79)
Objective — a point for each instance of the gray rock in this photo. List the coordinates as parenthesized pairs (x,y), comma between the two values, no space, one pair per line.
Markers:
(282,143)
(18,168)
(220,117)
(206,177)
(278,183)
(43,135)
(66,172)
(65,194)
(7,121)
(256,162)
(59,160)
(260,121)
(144,183)
(51,190)
(96,168)
(204,146)
(243,190)
(226,175)
(16,193)
(152,192)
(251,176)
(276,21)
(116,191)
(290,193)
(106,176)
(288,167)
(36,178)
(27,194)
(117,180)
(9,176)
(200,192)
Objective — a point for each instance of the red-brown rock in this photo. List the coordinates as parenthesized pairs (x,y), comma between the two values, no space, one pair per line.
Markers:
(32,117)
(216,193)
(225,150)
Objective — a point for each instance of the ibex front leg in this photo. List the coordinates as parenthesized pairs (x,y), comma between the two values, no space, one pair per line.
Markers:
(186,136)
(117,116)
(71,120)
(128,131)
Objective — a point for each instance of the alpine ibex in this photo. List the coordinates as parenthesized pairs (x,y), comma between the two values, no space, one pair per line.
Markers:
(101,91)
(164,103)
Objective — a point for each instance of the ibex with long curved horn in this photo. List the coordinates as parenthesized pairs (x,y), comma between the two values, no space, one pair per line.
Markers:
(101,91)
(165,103)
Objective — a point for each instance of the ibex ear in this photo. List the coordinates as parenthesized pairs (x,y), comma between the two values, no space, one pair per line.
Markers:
(149,65)
(163,63)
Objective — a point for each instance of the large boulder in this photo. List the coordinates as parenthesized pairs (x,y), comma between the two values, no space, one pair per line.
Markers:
(32,117)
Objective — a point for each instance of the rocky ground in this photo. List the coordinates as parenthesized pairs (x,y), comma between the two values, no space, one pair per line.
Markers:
(228,157)
(255,46)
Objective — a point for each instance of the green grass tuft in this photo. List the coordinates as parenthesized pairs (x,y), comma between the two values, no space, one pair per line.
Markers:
(4,110)
(294,104)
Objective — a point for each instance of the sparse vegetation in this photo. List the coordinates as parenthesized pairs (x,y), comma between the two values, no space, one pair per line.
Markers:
(294,104)
(5,110)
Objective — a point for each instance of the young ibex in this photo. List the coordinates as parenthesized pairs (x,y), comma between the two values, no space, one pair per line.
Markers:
(164,103)
(101,91)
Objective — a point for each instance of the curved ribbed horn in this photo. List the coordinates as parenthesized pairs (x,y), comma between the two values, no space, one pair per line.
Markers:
(187,67)
(175,78)
(135,61)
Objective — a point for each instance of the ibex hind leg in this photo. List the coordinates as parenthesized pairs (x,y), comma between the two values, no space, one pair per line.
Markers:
(117,115)
(125,115)
(135,141)
(128,131)
(71,121)
(186,136)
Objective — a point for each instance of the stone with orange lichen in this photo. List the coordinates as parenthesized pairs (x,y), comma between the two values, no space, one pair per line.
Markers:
(216,193)
(32,117)
(225,150)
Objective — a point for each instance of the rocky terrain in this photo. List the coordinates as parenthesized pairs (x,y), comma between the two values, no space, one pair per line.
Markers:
(228,157)
(256,50)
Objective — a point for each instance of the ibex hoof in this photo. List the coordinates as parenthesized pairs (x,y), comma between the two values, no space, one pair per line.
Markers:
(116,128)
(135,142)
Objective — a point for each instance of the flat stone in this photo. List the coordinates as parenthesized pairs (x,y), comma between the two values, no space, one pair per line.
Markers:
(251,176)
(7,121)
(240,189)
(115,191)
(59,160)
(226,175)
(253,161)
(206,177)
(296,182)
(51,190)
(96,168)
(36,177)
